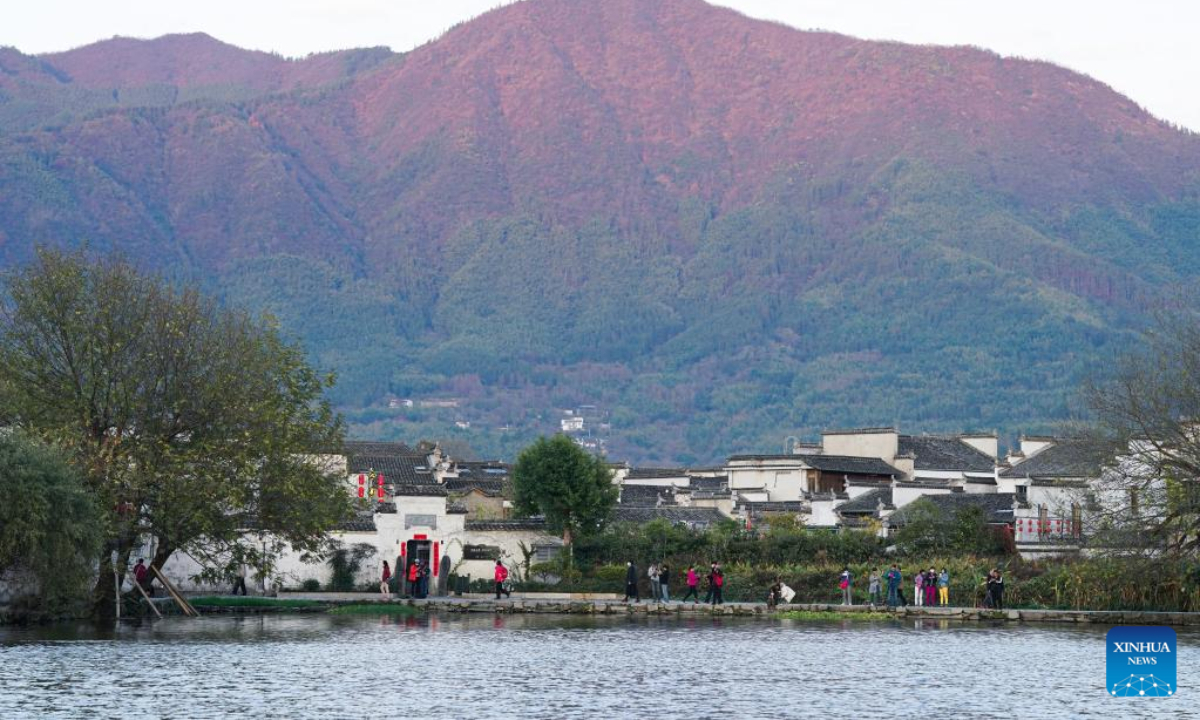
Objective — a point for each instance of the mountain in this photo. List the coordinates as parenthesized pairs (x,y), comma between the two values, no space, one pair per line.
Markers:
(718,231)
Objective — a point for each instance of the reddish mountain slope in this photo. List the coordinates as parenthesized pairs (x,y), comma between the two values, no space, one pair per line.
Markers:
(656,205)
(199,60)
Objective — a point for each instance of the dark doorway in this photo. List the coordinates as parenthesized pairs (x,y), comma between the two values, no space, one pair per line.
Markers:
(418,551)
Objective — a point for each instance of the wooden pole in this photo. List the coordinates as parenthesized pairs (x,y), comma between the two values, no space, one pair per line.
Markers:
(183,604)
(149,602)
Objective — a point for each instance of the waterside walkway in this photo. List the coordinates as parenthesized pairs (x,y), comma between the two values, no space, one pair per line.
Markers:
(564,604)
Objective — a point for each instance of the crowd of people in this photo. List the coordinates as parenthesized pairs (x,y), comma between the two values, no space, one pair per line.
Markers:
(660,584)
(930,588)
(416,577)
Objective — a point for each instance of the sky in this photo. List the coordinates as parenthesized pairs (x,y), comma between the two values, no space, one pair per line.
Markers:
(1146,49)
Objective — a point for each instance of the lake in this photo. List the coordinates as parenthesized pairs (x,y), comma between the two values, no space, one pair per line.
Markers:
(454,666)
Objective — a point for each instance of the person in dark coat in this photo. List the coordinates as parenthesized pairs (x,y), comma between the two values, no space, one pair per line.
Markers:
(996,588)
(631,583)
(718,585)
(894,579)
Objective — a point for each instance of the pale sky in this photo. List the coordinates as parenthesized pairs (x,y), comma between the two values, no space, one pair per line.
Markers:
(1146,49)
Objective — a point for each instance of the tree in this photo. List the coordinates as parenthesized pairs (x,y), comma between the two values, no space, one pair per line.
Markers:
(190,423)
(927,529)
(573,489)
(49,526)
(1147,419)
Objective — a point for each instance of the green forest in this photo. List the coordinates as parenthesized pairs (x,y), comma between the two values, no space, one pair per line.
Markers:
(951,310)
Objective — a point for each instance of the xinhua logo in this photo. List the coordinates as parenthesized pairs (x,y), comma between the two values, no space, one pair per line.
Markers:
(1141,661)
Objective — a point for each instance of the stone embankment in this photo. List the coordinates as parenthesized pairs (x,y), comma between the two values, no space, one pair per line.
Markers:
(606,606)
(610,607)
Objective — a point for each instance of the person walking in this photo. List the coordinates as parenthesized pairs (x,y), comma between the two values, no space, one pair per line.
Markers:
(893,586)
(239,578)
(655,586)
(844,584)
(693,585)
(918,588)
(664,581)
(385,588)
(943,586)
(501,575)
(900,589)
(874,596)
(931,588)
(631,583)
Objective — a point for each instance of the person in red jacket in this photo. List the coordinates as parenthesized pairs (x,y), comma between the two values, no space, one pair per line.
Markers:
(718,585)
(501,576)
(693,584)
(414,573)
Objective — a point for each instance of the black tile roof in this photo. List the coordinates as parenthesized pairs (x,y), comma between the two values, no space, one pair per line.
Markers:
(395,468)
(867,503)
(645,496)
(647,473)
(788,456)
(387,508)
(997,507)
(711,485)
(419,490)
(692,516)
(487,486)
(360,523)
(849,465)
(517,524)
(456,509)
(933,452)
(487,469)
(774,506)
(1072,458)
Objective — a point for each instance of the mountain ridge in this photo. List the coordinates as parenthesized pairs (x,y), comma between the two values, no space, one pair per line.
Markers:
(723,230)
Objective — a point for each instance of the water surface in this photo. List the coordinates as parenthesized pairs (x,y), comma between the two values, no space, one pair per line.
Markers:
(568,667)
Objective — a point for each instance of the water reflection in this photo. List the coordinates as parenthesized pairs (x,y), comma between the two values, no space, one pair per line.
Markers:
(533,666)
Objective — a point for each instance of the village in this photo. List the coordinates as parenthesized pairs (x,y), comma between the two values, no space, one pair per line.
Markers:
(420,504)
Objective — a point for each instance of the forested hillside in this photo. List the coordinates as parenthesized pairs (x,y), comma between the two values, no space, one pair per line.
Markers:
(718,231)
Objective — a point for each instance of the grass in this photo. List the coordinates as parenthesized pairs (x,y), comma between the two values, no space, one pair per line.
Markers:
(375,609)
(217,601)
(832,615)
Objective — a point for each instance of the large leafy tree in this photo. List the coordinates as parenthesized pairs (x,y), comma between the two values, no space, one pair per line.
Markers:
(49,525)
(572,488)
(191,423)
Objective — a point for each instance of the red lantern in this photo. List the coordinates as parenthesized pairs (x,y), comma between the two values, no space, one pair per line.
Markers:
(362,489)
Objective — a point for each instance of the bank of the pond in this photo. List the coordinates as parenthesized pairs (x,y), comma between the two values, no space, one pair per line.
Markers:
(361,604)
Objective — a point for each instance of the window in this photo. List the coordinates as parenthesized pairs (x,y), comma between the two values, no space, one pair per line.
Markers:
(1023,493)
(545,553)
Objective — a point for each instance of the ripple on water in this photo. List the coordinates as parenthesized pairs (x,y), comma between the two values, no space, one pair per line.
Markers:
(564,667)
